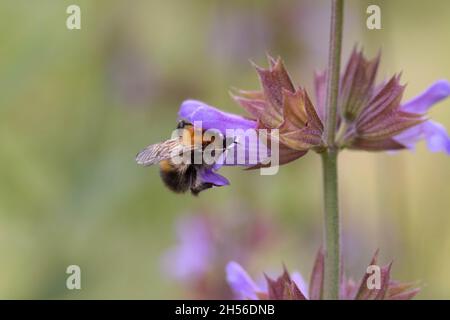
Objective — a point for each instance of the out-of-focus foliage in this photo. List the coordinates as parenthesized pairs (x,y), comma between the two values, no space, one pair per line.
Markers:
(76,106)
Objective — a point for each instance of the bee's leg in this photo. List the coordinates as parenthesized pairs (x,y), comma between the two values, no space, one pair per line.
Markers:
(228,142)
(196,189)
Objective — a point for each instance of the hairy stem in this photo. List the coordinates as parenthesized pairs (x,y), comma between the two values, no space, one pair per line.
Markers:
(329,158)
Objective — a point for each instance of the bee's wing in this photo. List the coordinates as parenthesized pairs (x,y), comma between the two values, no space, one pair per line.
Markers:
(161,151)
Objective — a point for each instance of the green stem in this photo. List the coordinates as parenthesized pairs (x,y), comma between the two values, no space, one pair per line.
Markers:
(334,66)
(329,158)
(332,225)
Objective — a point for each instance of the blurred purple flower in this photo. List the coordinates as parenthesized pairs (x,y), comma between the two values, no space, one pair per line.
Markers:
(205,246)
(190,258)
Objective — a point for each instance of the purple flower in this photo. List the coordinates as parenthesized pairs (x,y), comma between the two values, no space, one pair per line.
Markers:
(191,257)
(247,149)
(204,247)
(279,112)
(209,175)
(212,118)
(293,287)
(241,283)
(432,132)
(372,116)
(245,288)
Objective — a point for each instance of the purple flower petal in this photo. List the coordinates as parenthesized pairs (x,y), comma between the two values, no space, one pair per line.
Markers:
(410,137)
(191,257)
(212,118)
(246,151)
(432,132)
(436,137)
(208,175)
(240,282)
(435,93)
(300,282)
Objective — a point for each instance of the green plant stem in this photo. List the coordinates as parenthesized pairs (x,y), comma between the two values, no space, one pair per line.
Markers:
(334,66)
(332,225)
(329,158)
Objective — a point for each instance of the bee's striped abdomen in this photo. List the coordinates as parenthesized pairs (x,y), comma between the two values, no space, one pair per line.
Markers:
(179,179)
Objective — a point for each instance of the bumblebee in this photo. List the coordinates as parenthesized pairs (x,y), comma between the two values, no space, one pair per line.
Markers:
(184,176)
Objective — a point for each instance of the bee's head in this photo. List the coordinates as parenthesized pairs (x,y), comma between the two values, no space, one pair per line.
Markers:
(183,124)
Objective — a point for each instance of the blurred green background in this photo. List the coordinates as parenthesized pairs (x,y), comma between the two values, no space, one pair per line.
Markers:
(76,106)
